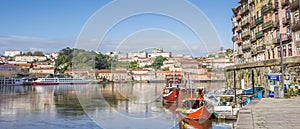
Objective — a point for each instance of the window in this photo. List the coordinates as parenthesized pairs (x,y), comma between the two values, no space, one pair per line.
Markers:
(284,51)
(278,52)
(290,50)
(298,50)
(297,36)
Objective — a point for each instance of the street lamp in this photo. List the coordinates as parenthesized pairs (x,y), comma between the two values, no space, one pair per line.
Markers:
(281,63)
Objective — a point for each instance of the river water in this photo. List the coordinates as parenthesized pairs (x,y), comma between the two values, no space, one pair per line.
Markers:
(107,106)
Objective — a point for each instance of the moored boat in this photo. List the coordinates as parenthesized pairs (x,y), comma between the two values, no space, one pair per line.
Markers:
(7,81)
(194,108)
(171,89)
(58,81)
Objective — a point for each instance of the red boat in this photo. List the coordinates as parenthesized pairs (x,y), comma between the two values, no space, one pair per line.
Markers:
(170,94)
(171,90)
(194,109)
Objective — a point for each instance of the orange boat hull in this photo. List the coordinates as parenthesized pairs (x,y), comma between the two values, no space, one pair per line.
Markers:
(201,114)
(171,97)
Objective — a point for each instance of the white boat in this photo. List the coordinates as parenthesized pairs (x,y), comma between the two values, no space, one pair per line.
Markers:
(57,81)
(7,81)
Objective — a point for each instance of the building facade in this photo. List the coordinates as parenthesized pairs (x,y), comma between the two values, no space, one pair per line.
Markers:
(12,53)
(258,26)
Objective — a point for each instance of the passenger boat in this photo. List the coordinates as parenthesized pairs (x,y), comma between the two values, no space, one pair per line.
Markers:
(171,90)
(58,81)
(194,108)
(7,81)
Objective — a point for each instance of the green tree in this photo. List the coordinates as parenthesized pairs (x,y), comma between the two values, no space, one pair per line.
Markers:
(133,64)
(158,62)
(28,54)
(38,53)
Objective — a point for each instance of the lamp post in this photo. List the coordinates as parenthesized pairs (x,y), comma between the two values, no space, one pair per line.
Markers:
(234,85)
(281,95)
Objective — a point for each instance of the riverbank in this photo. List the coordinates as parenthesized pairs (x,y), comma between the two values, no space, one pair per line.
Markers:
(270,113)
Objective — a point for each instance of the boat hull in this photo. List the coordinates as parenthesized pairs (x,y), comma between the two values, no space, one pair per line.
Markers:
(171,97)
(200,114)
(55,83)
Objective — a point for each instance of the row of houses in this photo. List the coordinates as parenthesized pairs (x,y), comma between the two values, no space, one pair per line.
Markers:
(141,75)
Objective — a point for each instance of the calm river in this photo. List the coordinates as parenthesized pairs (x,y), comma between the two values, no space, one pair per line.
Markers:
(110,106)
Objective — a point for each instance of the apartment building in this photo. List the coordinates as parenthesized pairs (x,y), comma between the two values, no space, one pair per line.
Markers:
(258,26)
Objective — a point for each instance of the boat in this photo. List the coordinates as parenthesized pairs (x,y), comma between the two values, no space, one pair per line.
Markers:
(58,81)
(194,108)
(7,81)
(192,124)
(171,89)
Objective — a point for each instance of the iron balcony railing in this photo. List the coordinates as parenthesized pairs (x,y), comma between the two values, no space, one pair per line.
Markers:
(259,20)
(259,34)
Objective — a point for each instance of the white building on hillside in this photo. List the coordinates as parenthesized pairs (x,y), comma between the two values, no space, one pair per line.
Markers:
(12,53)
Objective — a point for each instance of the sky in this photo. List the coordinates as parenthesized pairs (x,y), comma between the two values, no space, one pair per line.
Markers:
(35,25)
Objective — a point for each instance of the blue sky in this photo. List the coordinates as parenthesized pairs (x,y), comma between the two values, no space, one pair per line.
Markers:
(30,25)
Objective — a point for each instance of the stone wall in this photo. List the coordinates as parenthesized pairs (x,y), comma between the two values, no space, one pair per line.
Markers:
(261,69)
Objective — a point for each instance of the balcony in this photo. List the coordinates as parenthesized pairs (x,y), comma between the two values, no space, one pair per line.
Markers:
(259,34)
(253,51)
(267,8)
(294,5)
(296,26)
(284,3)
(286,21)
(245,34)
(259,20)
(246,46)
(252,24)
(260,48)
(238,28)
(268,25)
(253,39)
(245,21)
(245,10)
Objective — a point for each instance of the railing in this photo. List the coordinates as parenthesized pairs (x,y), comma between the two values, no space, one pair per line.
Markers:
(259,34)
(245,21)
(267,8)
(294,5)
(268,25)
(296,26)
(252,39)
(244,9)
(245,34)
(259,20)
(253,51)
(260,48)
(246,46)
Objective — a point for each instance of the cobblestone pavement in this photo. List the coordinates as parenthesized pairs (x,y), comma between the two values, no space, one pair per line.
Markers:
(270,113)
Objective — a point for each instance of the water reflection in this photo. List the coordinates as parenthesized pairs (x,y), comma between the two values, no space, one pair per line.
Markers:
(85,106)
